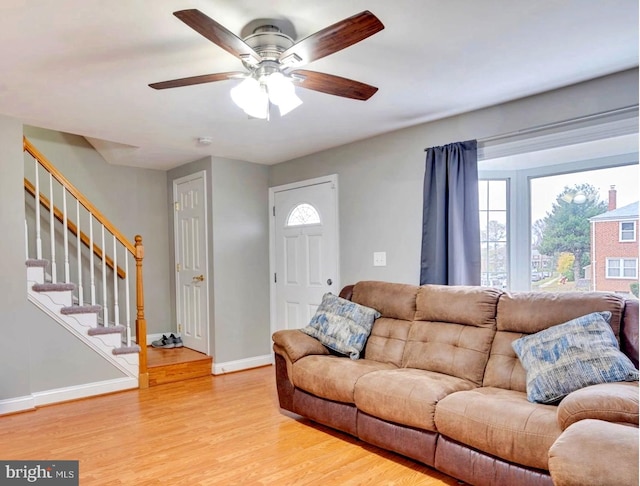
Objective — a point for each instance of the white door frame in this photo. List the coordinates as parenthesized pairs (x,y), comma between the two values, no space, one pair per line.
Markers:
(332,178)
(196,175)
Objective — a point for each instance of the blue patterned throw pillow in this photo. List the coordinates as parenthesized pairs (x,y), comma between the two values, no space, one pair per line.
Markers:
(342,325)
(570,356)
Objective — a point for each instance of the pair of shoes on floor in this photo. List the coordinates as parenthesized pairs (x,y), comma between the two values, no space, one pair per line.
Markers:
(168,342)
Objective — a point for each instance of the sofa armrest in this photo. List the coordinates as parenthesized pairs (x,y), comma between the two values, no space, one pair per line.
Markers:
(611,402)
(593,453)
(297,344)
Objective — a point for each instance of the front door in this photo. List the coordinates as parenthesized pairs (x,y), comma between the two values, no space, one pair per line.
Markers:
(305,247)
(190,236)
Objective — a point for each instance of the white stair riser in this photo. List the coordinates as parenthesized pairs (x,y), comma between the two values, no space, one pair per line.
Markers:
(62,299)
(35,274)
(87,319)
(52,302)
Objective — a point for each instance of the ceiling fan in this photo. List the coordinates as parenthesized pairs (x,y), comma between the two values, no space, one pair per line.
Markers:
(272,59)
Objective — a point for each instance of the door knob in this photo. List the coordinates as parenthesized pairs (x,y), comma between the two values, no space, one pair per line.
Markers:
(329,281)
(199,278)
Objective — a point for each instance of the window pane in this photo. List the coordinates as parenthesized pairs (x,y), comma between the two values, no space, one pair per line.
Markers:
(576,228)
(493,233)
(303,214)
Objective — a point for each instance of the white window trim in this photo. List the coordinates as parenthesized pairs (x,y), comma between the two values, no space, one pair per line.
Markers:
(621,261)
(623,240)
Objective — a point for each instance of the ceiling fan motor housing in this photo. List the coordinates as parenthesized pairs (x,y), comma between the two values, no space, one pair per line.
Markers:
(269,42)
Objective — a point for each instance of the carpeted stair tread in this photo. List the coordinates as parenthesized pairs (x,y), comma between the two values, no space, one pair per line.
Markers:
(53,287)
(32,262)
(99,330)
(81,309)
(126,350)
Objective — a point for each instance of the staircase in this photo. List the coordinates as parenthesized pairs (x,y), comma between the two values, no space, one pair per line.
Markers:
(56,300)
(82,282)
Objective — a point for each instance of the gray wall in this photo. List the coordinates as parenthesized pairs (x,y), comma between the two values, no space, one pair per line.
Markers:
(380,179)
(36,353)
(238,255)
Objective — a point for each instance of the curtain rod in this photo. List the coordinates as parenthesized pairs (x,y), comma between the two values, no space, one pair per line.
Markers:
(538,128)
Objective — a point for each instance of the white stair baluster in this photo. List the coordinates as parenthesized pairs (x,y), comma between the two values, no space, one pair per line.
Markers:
(26,239)
(105,307)
(79,254)
(92,272)
(52,230)
(116,308)
(38,237)
(127,299)
(65,231)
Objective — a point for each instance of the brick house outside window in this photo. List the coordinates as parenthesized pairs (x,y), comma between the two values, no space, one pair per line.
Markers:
(614,247)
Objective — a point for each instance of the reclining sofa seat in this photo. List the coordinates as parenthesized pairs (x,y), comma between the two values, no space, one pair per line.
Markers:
(438,380)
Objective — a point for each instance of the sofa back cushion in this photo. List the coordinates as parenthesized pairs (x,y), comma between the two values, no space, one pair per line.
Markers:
(523,313)
(397,306)
(453,330)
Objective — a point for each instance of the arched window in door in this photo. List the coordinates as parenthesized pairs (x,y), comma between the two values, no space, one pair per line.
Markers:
(303,214)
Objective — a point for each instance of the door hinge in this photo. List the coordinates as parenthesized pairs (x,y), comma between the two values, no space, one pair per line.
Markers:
(179,327)
(275,278)
(176,206)
(274,210)
(177,267)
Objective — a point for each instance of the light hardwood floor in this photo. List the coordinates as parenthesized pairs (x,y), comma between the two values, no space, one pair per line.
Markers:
(224,430)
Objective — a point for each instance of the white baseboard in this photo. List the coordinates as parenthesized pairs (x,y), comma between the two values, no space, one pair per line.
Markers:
(37,399)
(241,364)
(18,404)
(83,391)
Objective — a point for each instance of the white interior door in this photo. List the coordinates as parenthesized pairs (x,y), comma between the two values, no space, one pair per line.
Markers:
(190,234)
(305,251)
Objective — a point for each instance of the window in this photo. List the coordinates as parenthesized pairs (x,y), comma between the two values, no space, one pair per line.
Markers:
(628,231)
(572,166)
(622,268)
(493,232)
(303,214)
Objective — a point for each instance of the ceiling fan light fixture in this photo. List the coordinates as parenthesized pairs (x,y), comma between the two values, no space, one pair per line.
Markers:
(282,93)
(252,97)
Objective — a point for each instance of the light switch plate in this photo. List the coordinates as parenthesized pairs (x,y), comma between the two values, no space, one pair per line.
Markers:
(379,258)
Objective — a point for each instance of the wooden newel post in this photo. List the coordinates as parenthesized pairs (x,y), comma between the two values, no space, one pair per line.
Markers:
(141,323)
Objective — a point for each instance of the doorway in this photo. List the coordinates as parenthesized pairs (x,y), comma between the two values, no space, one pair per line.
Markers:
(191,252)
(304,249)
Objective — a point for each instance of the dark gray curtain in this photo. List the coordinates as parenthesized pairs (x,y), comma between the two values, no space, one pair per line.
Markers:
(450,221)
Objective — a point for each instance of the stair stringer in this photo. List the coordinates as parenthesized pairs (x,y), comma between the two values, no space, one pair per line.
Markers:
(79,325)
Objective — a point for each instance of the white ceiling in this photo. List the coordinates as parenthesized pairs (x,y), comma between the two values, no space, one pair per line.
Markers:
(83,66)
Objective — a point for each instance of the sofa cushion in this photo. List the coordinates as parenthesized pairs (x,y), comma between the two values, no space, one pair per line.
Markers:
(610,458)
(332,377)
(470,305)
(531,312)
(570,356)
(454,349)
(405,396)
(504,369)
(394,300)
(387,340)
(500,422)
(523,313)
(613,402)
(342,325)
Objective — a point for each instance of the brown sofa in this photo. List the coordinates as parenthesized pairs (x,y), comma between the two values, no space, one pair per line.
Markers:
(439,382)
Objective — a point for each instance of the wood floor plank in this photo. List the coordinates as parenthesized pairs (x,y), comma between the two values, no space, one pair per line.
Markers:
(217,430)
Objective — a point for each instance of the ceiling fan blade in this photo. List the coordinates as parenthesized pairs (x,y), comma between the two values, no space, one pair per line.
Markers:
(204,78)
(333,38)
(334,85)
(218,34)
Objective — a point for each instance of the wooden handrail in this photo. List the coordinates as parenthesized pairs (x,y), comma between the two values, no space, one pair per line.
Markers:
(44,202)
(136,250)
(28,147)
